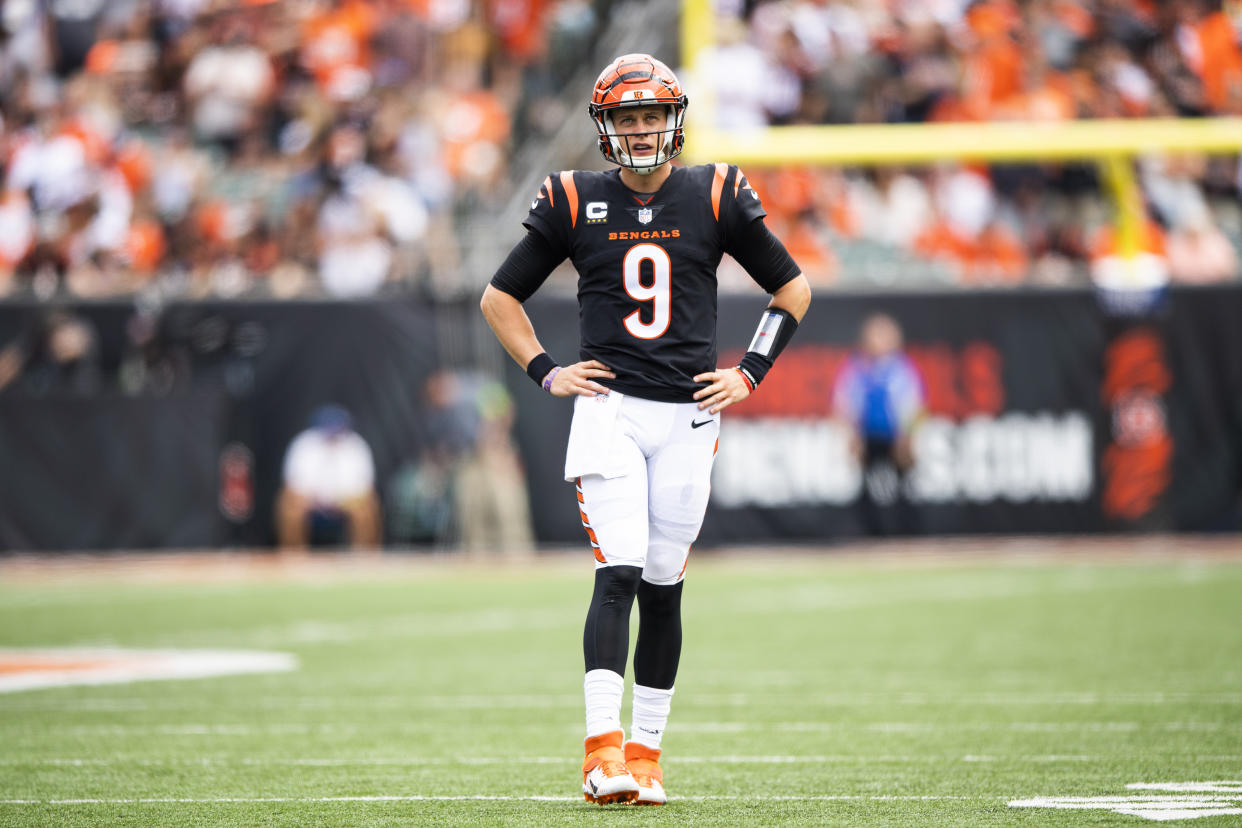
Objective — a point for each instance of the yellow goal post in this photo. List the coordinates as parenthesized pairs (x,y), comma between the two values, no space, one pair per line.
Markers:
(1111,143)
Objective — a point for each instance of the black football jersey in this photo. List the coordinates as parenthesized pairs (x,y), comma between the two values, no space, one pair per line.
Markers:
(646,267)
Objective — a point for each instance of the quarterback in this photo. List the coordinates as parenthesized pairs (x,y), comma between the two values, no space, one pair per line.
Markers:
(646,239)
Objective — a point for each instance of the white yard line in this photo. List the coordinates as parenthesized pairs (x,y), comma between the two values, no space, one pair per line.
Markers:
(217,729)
(696,727)
(724,759)
(484,798)
(555,700)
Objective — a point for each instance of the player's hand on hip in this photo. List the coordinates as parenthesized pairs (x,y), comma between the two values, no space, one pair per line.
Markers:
(727,387)
(579,378)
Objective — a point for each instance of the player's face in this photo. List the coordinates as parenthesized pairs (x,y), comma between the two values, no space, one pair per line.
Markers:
(641,128)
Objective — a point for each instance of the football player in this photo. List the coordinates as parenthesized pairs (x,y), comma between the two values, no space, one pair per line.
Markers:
(646,239)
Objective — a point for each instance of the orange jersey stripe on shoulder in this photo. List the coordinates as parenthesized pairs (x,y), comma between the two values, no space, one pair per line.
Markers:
(722,170)
(737,183)
(547,188)
(571,192)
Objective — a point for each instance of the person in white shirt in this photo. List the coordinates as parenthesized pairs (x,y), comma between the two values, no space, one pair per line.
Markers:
(328,496)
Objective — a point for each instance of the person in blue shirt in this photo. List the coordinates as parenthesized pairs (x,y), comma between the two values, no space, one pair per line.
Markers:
(879,395)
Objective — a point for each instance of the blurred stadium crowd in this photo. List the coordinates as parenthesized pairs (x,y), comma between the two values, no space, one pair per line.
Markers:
(196,148)
(250,147)
(864,61)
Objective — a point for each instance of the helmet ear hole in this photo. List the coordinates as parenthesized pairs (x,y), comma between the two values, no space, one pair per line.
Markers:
(616,152)
(602,127)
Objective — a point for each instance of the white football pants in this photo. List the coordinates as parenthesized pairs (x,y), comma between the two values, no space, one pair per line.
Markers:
(643,470)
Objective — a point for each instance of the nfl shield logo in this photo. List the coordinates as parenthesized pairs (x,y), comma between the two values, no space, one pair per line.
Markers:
(644,215)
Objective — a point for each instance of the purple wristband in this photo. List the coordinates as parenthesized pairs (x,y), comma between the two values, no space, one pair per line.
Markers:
(547,381)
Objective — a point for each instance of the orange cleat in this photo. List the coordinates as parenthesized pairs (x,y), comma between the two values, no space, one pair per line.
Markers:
(605,780)
(643,764)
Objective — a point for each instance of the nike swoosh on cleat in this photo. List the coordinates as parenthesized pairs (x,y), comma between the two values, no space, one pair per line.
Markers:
(697,424)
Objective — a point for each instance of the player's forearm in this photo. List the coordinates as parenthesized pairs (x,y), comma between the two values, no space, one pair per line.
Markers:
(793,297)
(508,320)
(776,327)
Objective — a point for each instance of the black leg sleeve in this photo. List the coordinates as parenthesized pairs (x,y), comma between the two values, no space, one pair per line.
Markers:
(659,635)
(606,639)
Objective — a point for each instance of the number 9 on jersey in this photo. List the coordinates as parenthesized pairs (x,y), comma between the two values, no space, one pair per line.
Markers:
(658,293)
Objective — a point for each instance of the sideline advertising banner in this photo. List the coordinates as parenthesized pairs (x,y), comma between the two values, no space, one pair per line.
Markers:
(1043,415)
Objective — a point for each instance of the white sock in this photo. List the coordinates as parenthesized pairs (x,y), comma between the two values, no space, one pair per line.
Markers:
(603,690)
(651,708)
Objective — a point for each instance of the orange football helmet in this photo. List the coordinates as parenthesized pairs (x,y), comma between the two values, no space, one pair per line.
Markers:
(631,81)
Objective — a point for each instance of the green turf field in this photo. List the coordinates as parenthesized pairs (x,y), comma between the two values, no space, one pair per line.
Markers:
(813,691)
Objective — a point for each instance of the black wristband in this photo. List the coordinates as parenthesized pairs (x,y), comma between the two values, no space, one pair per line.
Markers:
(755,366)
(539,367)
